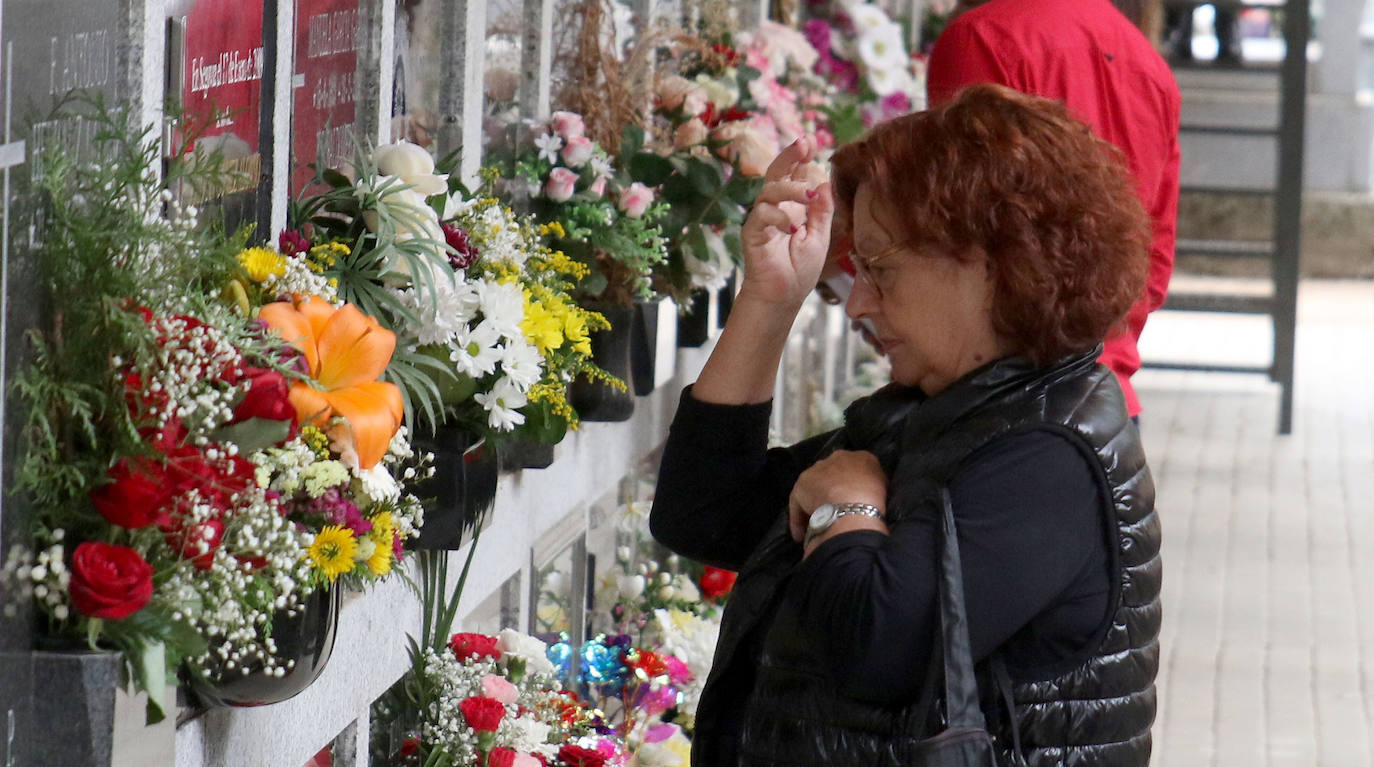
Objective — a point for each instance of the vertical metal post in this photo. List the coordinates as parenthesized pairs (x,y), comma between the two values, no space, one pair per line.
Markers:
(536,67)
(376,69)
(461,93)
(1288,202)
(267,114)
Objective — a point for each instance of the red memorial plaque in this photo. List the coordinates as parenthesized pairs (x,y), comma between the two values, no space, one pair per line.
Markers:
(323,112)
(222,93)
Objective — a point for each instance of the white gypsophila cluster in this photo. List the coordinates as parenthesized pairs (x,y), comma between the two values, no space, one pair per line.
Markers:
(259,568)
(43,577)
(456,681)
(181,382)
(691,639)
(408,513)
(299,279)
(448,307)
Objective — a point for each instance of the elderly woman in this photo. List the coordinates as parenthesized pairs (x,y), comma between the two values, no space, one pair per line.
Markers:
(997,242)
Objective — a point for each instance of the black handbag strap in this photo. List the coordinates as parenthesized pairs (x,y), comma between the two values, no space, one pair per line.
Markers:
(961,686)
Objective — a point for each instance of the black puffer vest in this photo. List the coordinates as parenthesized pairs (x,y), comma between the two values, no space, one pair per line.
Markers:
(1098,711)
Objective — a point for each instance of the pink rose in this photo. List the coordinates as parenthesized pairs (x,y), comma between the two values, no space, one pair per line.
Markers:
(635,200)
(567,124)
(678,92)
(523,759)
(749,149)
(560,185)
(689,134)
(598,187)
(577,151)
(497,688)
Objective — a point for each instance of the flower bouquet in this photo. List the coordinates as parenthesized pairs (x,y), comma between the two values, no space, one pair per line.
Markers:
(717,123)
(486,333)
(604,221)
(156,419)
(863,54)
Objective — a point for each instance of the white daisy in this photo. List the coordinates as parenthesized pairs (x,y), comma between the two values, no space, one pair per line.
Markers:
(522,363)
(503,405)
(477,350)
(503,305)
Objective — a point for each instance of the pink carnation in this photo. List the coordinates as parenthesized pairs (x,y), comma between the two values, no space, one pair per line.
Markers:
(498,688)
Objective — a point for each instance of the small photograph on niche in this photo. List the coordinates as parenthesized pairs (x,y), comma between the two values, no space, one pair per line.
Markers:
(323,112)
(502,80)
(216,58)
(415,82)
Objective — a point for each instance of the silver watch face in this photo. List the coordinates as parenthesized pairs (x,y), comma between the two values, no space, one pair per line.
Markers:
(822,518)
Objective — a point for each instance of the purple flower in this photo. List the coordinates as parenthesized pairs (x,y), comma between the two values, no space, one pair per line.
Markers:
(818,34)
(895,104)
(291,242)
(458,240)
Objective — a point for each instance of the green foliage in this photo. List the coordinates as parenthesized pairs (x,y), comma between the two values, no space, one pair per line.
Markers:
(103,255)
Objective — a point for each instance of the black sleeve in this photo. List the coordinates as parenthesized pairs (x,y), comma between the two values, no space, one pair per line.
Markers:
(1030,526)
(719,486)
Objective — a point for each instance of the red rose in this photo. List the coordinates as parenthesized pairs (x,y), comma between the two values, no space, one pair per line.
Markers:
(410,746)
(501,757)
(577,756)
(468,646)
(716,583)
(137,496)
(483,714)
(111,582)
(268,396)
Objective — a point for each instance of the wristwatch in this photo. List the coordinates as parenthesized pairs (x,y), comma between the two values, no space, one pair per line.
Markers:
(827,514)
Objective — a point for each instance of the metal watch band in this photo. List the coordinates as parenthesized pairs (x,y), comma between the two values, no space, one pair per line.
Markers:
(866,509)
(840,510)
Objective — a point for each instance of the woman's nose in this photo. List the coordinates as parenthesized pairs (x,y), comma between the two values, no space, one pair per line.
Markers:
(862,300)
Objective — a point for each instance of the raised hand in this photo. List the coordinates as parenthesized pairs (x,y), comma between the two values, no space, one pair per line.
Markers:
(786,235)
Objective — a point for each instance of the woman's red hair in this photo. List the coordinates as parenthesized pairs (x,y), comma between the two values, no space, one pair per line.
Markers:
(1018,178)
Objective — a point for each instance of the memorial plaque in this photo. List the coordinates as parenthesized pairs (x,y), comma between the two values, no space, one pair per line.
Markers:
(218,64)
(48,48)
(417,75)
(324,112)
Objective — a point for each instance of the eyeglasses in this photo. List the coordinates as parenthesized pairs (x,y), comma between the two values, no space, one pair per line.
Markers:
(864,266)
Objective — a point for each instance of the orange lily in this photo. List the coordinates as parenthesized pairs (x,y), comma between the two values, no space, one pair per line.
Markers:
(346,352)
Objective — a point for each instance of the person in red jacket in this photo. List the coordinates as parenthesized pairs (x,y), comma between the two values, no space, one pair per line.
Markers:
(1088,55)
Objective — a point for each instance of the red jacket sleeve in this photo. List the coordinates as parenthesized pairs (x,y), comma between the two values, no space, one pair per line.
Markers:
(963,56)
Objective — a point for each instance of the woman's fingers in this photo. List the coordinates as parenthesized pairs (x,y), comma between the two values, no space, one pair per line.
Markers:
(786,219)
(777,191)
(800,151)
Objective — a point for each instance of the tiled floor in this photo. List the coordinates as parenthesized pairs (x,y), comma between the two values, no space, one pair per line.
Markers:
(1268,640)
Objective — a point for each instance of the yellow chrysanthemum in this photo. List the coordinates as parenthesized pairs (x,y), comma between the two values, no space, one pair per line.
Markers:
(382,534)
(541,327)
(262,264)
(333,549)
(575,328)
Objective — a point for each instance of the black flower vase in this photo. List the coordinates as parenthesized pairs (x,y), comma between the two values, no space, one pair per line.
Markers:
(694,325)
(727,299)
(307,638)
(596,400)
(459,495)
(644,348)
(526,454)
